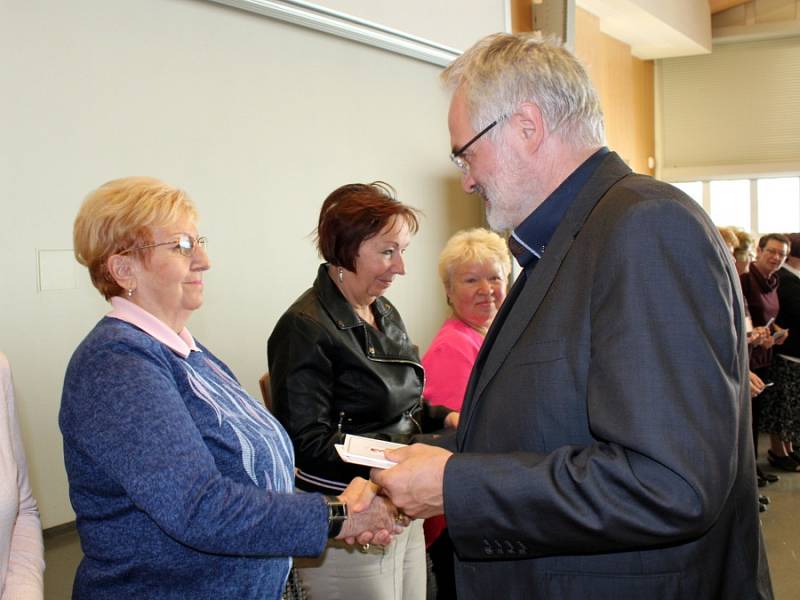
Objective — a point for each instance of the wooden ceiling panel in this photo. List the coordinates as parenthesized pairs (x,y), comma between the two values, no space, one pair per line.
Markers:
(720,5)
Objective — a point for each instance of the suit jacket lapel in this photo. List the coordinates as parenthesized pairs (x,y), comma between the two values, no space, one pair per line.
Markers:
(515,316)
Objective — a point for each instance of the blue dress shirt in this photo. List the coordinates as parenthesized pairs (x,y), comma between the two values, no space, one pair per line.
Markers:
(534,233)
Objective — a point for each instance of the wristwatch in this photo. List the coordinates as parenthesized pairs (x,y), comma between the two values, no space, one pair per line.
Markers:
(337,515)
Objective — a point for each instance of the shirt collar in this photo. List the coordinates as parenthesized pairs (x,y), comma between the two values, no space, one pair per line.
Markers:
(181,343)
(534,233)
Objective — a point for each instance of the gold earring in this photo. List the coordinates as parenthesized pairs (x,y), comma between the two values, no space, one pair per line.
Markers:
(340,272)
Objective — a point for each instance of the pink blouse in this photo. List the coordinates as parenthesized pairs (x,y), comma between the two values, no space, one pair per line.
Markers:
(21,549)
(448,363)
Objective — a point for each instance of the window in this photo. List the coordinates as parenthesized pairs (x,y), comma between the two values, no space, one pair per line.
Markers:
(765,205)
(693,189)
(779,205)
(729,203)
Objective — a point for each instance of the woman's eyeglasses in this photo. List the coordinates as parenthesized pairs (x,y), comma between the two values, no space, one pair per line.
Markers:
(185,244)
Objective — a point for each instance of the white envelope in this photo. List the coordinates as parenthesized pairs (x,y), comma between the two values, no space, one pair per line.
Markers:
(366,451)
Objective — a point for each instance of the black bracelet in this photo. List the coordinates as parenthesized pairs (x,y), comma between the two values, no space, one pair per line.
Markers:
(337,515)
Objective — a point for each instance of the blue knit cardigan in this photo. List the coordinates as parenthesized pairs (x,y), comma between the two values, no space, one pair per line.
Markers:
(181,482)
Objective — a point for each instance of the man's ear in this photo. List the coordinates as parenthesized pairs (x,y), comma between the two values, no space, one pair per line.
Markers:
(530,125)
(122,270)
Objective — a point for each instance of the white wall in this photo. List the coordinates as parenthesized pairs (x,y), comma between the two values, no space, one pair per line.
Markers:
(257,119)
(454,23)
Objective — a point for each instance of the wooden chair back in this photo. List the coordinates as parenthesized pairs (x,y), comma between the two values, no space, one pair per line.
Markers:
(266,392)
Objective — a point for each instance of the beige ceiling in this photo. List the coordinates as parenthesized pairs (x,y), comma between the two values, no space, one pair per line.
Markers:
(664,29)
(655,28)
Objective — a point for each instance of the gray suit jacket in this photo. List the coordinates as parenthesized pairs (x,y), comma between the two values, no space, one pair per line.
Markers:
(604,449)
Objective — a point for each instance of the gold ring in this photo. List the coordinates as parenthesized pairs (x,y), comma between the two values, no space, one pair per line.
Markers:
(364,548)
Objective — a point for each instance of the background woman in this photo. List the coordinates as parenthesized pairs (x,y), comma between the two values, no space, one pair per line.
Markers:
(341,362)
(21,550)
(759,290)
(744,251)
(181,482)
(474,267)
(756,337)
(780,416)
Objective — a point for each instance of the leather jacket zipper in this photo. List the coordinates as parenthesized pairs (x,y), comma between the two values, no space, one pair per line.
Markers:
(394,360)
(410,414)
(370,355)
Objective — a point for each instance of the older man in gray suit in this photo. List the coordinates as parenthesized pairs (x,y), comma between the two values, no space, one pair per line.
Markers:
(604,448)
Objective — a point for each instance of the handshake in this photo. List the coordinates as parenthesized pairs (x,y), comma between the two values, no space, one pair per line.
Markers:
(381,508)
(372,518)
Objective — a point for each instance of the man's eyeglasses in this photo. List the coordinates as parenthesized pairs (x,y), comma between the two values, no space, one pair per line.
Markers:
(774,252)
(185,244)
(458,156)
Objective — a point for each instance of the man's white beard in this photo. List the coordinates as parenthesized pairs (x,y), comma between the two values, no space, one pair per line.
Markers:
(498,219)
(505,195)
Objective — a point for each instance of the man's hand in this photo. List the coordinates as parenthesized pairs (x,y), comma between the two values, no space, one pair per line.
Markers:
(415,484)
(373,519)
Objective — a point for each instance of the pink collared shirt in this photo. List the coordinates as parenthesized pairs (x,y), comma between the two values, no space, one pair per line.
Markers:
(181,343)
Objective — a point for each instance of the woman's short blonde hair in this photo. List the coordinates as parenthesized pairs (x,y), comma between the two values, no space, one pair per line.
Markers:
(120,215)
(746,243)
(473,246)
(729,237)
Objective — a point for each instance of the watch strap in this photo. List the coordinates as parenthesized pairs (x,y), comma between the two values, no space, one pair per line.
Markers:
(337,515)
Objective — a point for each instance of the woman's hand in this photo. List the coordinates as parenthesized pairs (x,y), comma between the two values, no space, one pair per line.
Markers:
(756,385)
(758,336)
(768,341)
(451,420)
(373,519)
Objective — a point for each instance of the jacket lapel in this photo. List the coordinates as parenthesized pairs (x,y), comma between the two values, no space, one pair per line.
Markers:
(501,338)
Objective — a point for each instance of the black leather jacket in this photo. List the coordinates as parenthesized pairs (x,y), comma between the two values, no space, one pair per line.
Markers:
(332,374)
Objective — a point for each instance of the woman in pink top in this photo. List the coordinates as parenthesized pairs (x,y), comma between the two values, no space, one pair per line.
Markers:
(474,267)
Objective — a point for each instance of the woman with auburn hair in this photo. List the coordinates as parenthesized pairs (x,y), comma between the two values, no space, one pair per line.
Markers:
(180,481)
(474,267)
(341,362)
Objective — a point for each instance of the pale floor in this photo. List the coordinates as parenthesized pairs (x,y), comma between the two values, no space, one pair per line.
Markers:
(781,525)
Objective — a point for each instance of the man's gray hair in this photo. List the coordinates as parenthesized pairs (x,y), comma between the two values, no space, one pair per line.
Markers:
(503,70)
